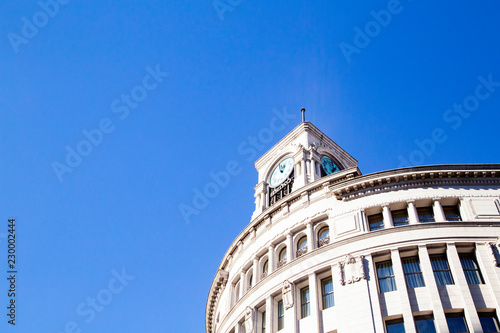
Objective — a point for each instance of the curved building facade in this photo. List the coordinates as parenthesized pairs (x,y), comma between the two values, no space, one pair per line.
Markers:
(331,250)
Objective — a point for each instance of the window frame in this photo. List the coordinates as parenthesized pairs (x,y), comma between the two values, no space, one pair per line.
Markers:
(434,271)
(423,219)
(376,217)
(491,315)
(326,296)
(453,315)
(455,217)
(424,318)
(398,321)
(305,302)
(419,272)
(281,318)
(406,218)
(477,269)
(391,277)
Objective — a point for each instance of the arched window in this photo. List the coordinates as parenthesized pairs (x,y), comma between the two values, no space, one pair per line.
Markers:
(302,246)
(323,236)
(265,268)
(250,281)
(282,257)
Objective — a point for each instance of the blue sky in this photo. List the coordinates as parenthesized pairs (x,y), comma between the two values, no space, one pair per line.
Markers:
(168,92)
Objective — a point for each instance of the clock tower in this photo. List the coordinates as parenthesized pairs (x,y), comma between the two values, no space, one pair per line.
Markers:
(303,156)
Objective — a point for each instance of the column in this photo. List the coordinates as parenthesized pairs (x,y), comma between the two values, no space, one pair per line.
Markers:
(431,286)
(269,314)
(399,276)
(289,247)
(311,244)
(242,284)
(364,222)
(313,170)
(458,275)
(412,213)
(386,212)
(304,172)
(237,329)
(256,277)
(484,258)
(270,257)
(314,302)
(438,211)
(374,296)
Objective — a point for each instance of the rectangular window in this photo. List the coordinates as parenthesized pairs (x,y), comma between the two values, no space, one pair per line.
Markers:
(425,324)
(441,269)
(400,217)
(425,214)
(452,213)
(395,326)
(489,322)
(471,269)
(376,222)
(327,293)
(385,275)
(413,273)
(456,323)
(281,315)
(304,302)
(264,322)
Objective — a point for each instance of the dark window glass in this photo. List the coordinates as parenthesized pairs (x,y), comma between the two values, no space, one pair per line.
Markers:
(376,222)
(304,302)
(265,266)
(425,214)
(471,269)
(425,324)
(385,275)
(281,315)
(441,269)
(489,322)
(452,213)
(264,322)
(327,293)
(395,326)
(250,280)
(400,217)
(456,323)
(413,274)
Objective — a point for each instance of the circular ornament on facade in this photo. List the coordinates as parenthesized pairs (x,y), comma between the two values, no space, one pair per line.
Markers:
(281,172)
(329,166)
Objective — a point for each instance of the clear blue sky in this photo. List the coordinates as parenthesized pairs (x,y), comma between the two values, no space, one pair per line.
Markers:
(217,77)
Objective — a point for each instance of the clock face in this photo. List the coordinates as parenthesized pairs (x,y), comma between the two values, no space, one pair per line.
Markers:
(281,172)
(329,166)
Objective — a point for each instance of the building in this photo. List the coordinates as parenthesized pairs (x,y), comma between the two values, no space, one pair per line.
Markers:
(331,250)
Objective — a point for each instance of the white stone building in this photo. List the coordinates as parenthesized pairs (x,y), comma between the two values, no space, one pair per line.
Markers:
(331,250)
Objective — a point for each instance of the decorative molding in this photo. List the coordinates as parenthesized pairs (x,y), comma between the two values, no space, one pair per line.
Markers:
(301,252)
(494,246)
(324,241)
(287,292)
(352,270)
(249,327)
(386,183)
